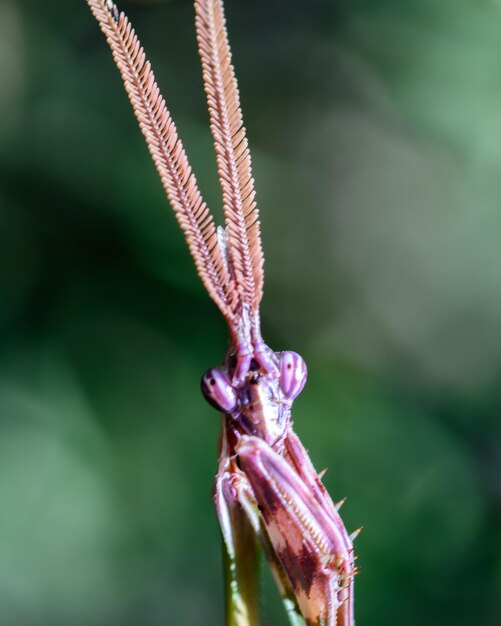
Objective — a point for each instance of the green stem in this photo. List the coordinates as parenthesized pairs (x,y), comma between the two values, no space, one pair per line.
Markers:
(242,573)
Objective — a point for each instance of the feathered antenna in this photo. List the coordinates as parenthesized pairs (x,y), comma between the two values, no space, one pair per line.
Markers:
(168,155)
(233,158)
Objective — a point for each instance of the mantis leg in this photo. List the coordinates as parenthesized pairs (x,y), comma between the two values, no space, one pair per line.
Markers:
(240,554)
(310,545)
(299,459)
(249,507)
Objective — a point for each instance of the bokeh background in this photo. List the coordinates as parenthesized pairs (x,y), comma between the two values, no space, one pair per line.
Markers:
(375,128)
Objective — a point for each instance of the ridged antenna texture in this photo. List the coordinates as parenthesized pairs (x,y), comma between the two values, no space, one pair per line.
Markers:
(168,154)
(232,152)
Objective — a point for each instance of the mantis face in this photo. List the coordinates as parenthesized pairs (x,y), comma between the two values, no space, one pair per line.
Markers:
(260,404)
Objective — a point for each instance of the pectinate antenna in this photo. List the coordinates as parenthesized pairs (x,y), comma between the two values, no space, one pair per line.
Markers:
(168,155)
(232,152)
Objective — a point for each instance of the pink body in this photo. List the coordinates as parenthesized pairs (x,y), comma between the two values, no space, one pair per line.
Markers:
(265,482)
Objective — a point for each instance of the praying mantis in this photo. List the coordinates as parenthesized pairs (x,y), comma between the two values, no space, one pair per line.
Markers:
(266,490)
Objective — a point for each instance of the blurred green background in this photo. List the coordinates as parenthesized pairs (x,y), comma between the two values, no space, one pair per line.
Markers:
(375,128)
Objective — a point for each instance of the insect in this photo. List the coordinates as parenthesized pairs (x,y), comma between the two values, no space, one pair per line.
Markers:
(266,489)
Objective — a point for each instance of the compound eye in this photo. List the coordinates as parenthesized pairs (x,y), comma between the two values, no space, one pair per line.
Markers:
(217,390)
(293,374)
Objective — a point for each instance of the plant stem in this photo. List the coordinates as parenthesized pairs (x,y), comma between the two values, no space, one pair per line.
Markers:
(242,573)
